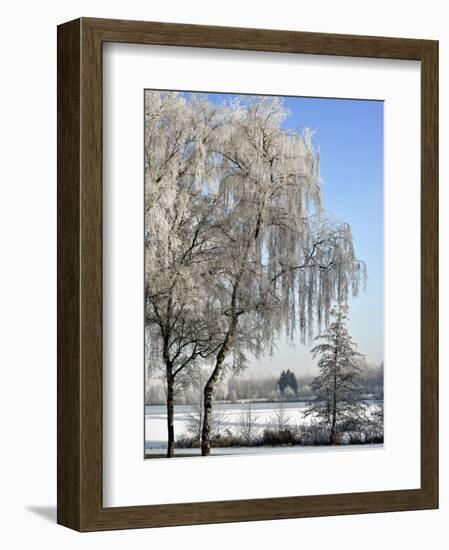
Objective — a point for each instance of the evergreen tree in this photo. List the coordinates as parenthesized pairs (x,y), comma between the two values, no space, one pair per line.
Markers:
(336,389)
(293,383)
(287,380)
(282,382)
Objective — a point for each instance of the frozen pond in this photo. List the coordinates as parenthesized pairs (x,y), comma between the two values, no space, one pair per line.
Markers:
(229,413)
(229,416)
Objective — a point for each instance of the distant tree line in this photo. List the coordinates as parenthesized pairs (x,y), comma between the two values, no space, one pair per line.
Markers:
(263,388)
(371,380)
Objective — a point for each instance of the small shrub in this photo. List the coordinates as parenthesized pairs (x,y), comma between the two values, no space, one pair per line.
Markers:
(274,437)
(187,442)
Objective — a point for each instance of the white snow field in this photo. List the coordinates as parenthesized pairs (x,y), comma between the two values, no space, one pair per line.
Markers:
(230,417)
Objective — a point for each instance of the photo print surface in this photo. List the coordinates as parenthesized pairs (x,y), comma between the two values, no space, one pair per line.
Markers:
(263,274)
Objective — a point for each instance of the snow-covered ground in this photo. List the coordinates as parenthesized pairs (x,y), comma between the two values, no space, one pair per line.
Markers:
(219,451)
(230,415)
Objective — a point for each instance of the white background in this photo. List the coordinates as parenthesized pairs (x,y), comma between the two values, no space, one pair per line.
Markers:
(28,274)
(128,480)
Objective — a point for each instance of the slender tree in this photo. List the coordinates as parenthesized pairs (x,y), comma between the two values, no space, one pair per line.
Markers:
(336,388)
(177,246)
(247,424)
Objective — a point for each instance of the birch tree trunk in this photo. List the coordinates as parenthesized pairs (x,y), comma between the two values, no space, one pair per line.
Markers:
(208,396)
(170,415)
(221,356)
(209,391)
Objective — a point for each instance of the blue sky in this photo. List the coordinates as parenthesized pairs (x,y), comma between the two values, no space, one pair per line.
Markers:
(349,134)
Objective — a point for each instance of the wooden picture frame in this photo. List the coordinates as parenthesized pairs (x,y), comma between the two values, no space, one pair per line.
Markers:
(80,503)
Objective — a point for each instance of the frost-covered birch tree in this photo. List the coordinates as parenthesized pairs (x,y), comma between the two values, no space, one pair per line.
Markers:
(177,243)
(283,261)
(336,388)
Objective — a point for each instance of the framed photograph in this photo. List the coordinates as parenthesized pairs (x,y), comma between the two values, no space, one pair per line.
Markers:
(247,274)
